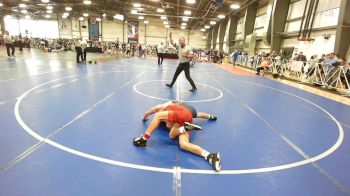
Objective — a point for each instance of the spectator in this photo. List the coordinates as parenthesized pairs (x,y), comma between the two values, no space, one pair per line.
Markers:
(346,79)
(9,44)
(263,66)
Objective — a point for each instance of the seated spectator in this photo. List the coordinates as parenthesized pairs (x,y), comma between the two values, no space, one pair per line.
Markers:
(333,74)
(264,65)
(216,57)
(313,63)
(346,79)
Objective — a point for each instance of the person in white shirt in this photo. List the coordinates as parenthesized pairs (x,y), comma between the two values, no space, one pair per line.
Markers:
(83,47)
(128,49)
(160,51)
(78,49)
(9,44)
(185,56)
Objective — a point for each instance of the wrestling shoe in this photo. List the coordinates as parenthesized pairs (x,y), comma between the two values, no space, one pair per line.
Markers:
(193,90)
(168,85)
(140,142)
(214,160)
(212,117)
(189,127)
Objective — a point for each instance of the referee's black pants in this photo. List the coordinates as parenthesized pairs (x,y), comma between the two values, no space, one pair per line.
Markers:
(183,67)
(8,46)
(160,58)
(79,53)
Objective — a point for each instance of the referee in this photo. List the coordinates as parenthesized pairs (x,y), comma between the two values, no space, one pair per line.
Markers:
(160,51)
(185,56)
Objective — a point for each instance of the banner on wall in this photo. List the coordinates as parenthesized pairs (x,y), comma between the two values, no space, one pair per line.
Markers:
(94,29)
(65,27)
(133,32)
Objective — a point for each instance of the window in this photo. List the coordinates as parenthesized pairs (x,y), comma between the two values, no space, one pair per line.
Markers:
(32,28)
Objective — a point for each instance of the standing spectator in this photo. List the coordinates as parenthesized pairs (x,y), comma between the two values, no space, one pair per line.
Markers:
(20,42)
(235,57)
(9,44)
(127,48)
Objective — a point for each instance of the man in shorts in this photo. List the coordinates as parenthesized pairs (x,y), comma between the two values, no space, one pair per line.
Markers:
(178,117)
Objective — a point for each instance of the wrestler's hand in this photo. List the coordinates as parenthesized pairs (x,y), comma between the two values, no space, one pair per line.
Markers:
(145,117)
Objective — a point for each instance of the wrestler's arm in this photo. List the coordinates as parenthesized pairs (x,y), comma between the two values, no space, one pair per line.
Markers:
(155,109)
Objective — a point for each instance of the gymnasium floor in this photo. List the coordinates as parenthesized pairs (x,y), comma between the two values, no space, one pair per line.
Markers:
(67,129)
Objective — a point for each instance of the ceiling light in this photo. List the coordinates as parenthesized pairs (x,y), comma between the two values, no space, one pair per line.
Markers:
(87,2)
(119,17)
(134,11)
(22,5)
(137,5)
(185,19)
(24,11)
(104,15)
(206,26)
(235,6)
(202,30)
(49,7)
(141,17)
(49,11)
(66,13)
(184,24)
(146,22)
(167,26)
(221,16)
(203,37)
(165,22)
(47,16)
(187,12)
(45,1)
(1,4)
(160,10)
(68,9)
(163,17)
(182,27)
(212,22)
(81,18)
(191,1)
(64,16)
(98,19)
(85,14)
(27,17)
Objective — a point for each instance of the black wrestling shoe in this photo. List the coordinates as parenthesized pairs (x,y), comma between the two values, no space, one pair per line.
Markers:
(139,142)
(190,127)
(214,160)
(168,85)
(193,90)
(212,117)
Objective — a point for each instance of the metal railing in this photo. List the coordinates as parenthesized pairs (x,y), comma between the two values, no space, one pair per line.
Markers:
(310,72)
